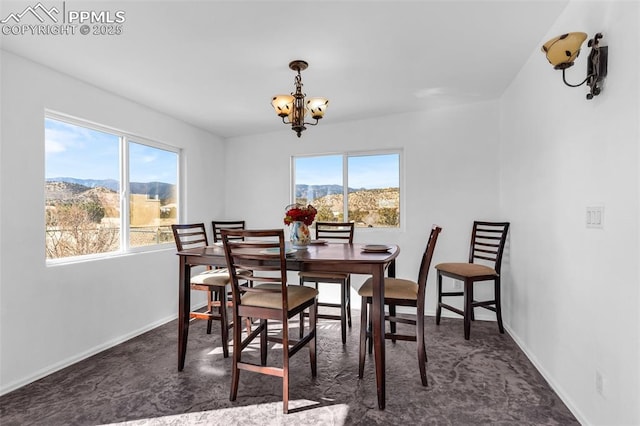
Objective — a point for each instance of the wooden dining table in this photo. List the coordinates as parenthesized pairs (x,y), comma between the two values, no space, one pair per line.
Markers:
(349,258)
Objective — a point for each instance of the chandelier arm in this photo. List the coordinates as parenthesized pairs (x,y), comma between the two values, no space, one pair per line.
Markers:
(575,85)
(312,124)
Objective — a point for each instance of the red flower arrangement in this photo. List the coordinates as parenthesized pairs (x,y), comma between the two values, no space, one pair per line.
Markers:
(299,213)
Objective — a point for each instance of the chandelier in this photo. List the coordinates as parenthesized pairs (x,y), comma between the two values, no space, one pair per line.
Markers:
(293,108)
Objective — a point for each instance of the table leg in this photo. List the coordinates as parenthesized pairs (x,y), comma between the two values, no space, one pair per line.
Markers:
(377,315)
(184,307)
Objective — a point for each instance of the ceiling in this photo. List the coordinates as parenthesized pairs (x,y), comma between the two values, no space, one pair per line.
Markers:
(217,64)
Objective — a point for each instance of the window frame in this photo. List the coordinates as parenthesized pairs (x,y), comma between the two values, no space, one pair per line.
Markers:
(345,181)
(125,138)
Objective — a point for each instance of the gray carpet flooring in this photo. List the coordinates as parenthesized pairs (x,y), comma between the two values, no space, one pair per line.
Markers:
(485,380)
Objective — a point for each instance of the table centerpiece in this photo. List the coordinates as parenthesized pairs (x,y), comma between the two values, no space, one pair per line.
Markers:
(299,218)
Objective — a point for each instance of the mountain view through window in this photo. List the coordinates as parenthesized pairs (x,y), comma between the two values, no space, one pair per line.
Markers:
(85,180)
(370,184)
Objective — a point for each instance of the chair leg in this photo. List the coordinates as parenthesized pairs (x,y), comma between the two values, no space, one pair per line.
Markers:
(210,300)
(224,322)
(313,352)
(285,367)
(301,333)
(392,324)
(347,290)
(343,314)
(473,311)
(363,336)
(468,308)
(263,342)
(370,334)
(498,304)
(439,300)
(422,351)
(237,354)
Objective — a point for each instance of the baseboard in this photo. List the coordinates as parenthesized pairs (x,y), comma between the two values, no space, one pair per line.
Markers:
(554,385)
(480,316)
(84,355)
(559,390)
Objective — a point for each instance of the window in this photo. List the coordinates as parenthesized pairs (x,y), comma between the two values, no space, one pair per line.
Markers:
(369,182)
(106,191)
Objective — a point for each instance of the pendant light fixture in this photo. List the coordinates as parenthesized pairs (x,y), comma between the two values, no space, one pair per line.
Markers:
(293,108)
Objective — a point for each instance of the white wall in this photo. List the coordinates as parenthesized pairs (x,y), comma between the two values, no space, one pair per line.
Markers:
(572,293)
(53,316)
(450,163)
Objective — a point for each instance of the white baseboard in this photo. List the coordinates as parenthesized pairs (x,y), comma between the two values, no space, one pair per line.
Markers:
(554,385)
(81,356)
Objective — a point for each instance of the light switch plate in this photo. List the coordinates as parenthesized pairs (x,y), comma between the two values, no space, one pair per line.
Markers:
(595,217)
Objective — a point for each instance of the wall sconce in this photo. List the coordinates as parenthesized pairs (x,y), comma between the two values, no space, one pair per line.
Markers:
(561,51)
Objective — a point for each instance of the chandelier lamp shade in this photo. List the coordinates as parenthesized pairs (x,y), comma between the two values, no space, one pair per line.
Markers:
(561,52)
(293,108)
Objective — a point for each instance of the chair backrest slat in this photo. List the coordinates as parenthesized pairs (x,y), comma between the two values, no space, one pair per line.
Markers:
(487,242)
(218,225)
(189,236)
(335,231)
(490,248)
(478,249)
(490,259)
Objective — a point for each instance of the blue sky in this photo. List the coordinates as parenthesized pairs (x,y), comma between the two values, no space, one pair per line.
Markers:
(78,152)
(365,171)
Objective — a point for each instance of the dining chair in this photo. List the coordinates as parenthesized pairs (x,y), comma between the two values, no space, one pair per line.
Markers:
(333,232)
(485,259)
(218,225)
(213,281)
(264,253)
(400,292)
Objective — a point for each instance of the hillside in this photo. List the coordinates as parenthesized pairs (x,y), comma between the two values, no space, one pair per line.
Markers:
(318,191)
(62,186)
(367,207)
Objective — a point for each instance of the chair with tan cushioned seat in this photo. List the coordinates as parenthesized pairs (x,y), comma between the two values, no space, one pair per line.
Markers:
(487,245)
(261,259)
(213,281)
(400,292)
(339,233)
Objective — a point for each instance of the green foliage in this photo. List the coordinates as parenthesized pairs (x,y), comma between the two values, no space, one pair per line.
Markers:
(324,214)
(95,211)
(389,216)
(357,215)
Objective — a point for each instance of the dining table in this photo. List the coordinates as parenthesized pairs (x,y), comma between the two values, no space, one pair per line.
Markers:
(351,258)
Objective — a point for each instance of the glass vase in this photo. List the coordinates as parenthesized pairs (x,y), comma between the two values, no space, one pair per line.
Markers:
(299,235)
